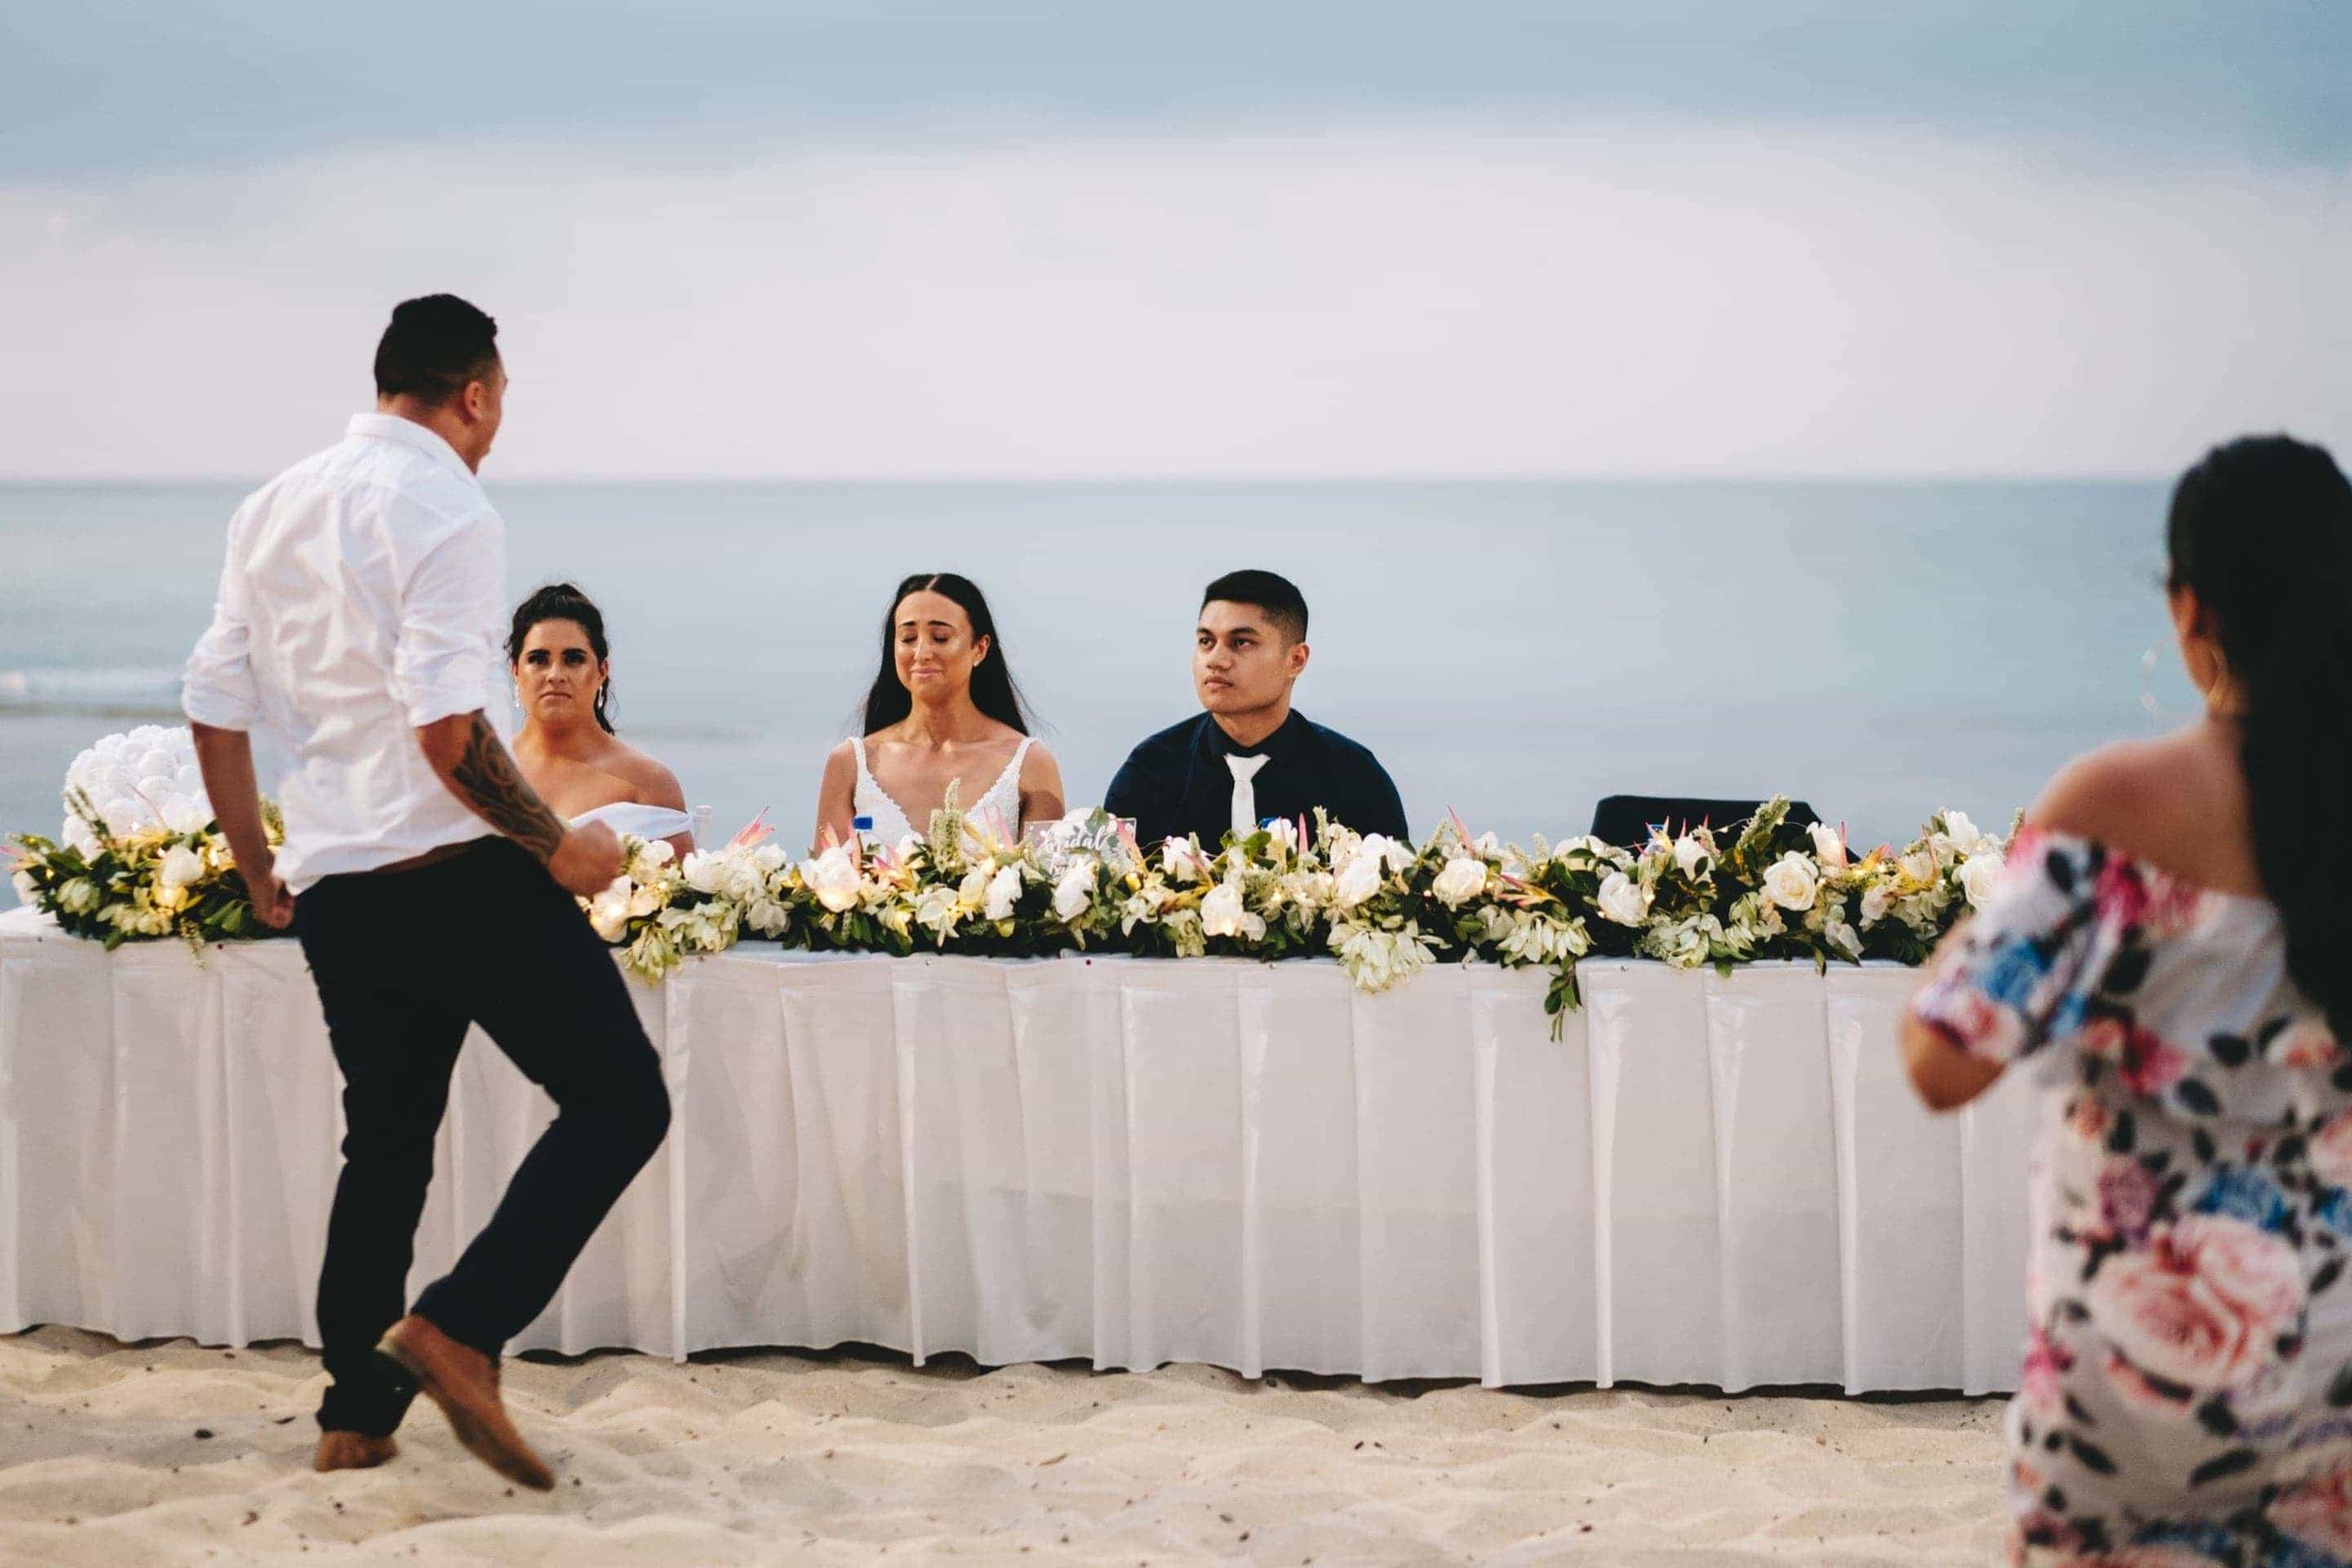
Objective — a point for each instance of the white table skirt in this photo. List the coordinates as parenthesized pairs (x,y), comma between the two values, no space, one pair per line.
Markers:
(1710,1179)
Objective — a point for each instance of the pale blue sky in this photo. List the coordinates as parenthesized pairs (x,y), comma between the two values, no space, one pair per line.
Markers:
(947,240)
(133,84)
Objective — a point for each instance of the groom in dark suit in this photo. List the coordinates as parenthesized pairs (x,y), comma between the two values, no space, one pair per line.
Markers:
(1251,755)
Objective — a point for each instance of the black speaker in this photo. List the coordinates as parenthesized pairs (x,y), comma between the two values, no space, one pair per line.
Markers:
(1626,820)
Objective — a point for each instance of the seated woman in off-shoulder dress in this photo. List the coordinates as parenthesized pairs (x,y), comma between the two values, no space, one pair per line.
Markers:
(942,710)
(2172,945)
(566,748)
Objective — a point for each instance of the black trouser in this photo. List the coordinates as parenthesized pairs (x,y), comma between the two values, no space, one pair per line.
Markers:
(405,960)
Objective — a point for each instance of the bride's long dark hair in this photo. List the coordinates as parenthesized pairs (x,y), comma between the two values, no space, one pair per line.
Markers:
(2261,531)
(993,689)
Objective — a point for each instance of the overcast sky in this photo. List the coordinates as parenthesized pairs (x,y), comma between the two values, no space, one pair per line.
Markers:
(908,241)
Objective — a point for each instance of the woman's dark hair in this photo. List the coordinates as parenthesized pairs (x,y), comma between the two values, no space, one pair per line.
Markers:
(433,347)
(560,601)
(993,691)
(2261,531)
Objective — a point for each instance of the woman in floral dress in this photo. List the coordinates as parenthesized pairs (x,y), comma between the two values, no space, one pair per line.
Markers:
(2172,943)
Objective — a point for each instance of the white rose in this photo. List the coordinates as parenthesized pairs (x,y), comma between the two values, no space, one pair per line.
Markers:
(656,852)
(1623,899)
(739,880)
(972,890)
(1181,861)
(608,912)
(1963,831)
(1281,835)
(1875,898)
(1381,847)
(1689,854)
(1075,894)
(1222,910)
(1461,880)
(1359,880)
(1792,881)
(1979,876)
(1919,865)
(182,867)
(769,859)
(832,879)
(1004,891)
(645,900)
(703,871)
(185,813)
(1829,844)
(766,917)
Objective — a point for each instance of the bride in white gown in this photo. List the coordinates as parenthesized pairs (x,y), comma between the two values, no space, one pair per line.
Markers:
(566,748)
(942,710)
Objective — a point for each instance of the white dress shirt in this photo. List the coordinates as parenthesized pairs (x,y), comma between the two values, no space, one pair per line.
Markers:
(364,596)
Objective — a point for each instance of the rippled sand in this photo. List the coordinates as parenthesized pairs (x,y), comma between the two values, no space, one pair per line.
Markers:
(165,1453)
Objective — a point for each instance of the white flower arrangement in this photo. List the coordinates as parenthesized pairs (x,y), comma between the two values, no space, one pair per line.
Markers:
(139,857)
(136,863)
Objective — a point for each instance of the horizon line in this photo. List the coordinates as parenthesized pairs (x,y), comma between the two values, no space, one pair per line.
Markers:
(1792,476)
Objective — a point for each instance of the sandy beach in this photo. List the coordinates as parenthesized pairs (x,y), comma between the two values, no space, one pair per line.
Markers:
(167,1453)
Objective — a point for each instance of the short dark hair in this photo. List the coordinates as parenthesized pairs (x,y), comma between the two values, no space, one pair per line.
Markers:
(434,346)
(1280,597)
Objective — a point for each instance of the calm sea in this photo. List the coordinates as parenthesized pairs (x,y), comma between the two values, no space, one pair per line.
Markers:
(1512,651)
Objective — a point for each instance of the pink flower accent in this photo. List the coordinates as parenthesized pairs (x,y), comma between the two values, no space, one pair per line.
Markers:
(1980,1026)
(2106,1039)
(2202,1305)
(2120,893)
(2089,1119)
(2331,1149)
(2310,1045)
(2150,1066)
(2131,1385)
(2128,1199)
(2042,1379)
(2319,1512)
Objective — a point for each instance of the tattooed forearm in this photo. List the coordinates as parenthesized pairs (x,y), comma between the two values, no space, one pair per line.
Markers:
(487,780)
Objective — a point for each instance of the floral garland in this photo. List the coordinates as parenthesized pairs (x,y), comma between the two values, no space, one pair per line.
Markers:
(1382,908)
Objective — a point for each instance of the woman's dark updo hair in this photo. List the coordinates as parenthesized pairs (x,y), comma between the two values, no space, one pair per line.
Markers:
(993,691)
(2261,531)
(560,601)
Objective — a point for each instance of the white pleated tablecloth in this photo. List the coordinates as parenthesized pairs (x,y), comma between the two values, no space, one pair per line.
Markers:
(1716,1179)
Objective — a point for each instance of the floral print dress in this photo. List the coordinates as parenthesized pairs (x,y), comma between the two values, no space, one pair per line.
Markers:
(2186,1393)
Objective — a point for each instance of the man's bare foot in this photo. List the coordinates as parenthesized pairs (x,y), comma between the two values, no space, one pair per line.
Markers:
(352,1450)
(464,1384)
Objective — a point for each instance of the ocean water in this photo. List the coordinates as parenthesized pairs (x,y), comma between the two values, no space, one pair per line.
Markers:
(1512,651)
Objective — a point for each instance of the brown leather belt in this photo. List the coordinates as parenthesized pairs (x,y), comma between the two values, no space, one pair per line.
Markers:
(430,857)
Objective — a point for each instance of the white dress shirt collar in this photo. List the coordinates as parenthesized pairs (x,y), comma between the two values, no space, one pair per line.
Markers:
(392,427)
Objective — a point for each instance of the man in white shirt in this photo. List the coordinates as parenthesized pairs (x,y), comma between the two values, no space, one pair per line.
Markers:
(358,624)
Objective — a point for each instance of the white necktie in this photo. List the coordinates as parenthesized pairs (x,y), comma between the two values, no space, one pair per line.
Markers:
(1245,793)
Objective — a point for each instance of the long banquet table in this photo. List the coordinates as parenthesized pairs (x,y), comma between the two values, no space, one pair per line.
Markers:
(1717,1179)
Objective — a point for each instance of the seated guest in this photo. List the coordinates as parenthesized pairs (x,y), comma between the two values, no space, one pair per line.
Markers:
(566,749)
(1251,755)
(943,711)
